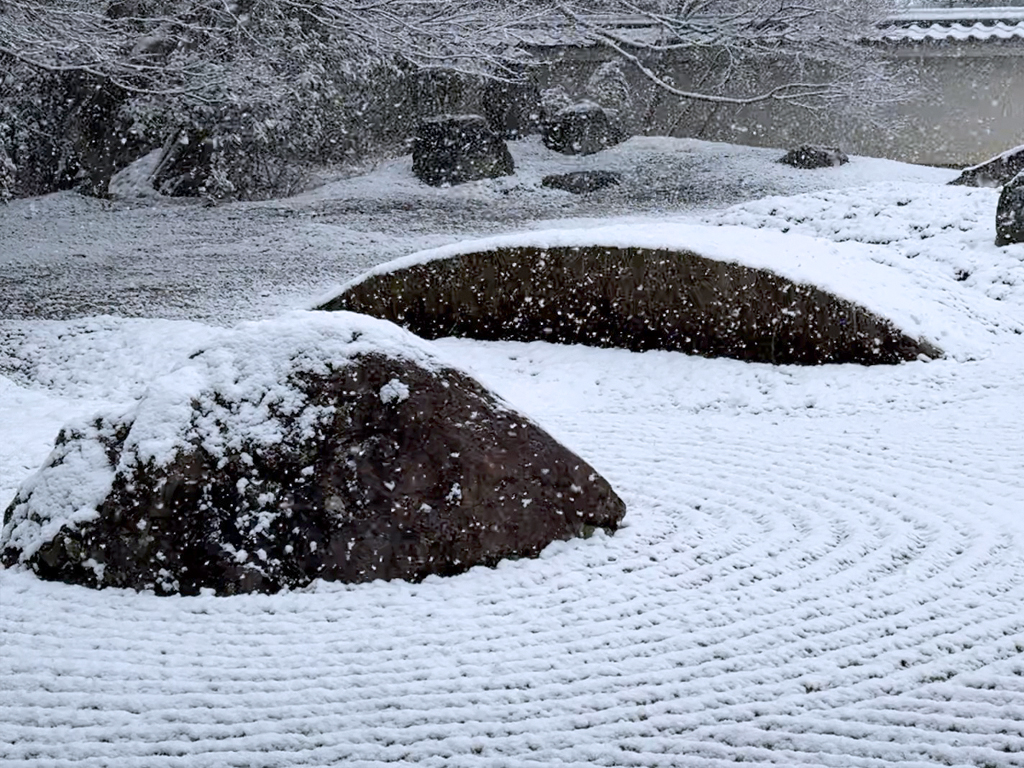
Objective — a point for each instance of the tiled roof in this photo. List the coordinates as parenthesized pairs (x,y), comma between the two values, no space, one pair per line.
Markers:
(957,32)
(922,25)
(927,25)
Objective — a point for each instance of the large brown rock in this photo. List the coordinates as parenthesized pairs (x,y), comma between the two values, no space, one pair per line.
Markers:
(314,446)
(632,298)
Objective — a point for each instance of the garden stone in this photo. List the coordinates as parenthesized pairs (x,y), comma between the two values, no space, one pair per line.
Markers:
(628,297)
(994,172)
(454,149)
(810,157)
(582,182)
(582,129)
(317,445)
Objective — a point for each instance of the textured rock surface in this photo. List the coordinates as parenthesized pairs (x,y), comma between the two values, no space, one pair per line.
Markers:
(512,109)
(632,298)
(454,149)
(8,174)
(582,182)
(994,172)
(581,129)
(1010,213)
(321,446)
(810,157)
(185,165)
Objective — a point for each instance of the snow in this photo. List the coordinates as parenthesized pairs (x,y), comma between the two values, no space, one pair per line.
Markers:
(820,566)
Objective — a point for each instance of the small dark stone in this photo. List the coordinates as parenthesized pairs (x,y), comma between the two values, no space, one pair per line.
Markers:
(581,129)
(994,172)
(581,182)
(512,109)
(454,149)
(810,157)
(1010,213)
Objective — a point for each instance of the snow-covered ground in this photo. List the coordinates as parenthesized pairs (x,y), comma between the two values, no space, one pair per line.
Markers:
(820,566)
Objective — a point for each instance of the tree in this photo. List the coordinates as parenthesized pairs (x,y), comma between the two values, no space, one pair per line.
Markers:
(821,44)
(267,86)
(287,81)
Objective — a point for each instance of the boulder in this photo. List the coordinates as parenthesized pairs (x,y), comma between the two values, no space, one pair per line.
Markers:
(632,298)
(582,182)
(1010,212)
(994,172)
(810,157)
(454,149)
(185,166)
(582,129)
(316,445)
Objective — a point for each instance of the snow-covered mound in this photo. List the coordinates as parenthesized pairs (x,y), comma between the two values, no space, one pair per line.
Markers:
(947,231)
(921,297)
(244,391)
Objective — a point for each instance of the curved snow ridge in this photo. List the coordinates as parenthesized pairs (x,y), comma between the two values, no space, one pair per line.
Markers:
(939,237)
(857,272)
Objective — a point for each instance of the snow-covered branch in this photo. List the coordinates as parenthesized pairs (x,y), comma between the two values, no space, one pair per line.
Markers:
(821,42)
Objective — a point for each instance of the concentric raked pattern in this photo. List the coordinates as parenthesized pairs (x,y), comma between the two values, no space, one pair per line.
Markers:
(838,583)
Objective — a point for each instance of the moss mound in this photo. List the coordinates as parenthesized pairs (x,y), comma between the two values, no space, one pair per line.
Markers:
(631,298)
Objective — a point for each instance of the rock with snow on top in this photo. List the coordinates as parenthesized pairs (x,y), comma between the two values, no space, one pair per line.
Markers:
(454,149)
(994,172)
(318,445)
(1010,213)
(582,129)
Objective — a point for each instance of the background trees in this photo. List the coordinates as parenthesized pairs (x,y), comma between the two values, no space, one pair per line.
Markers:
(263,89)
